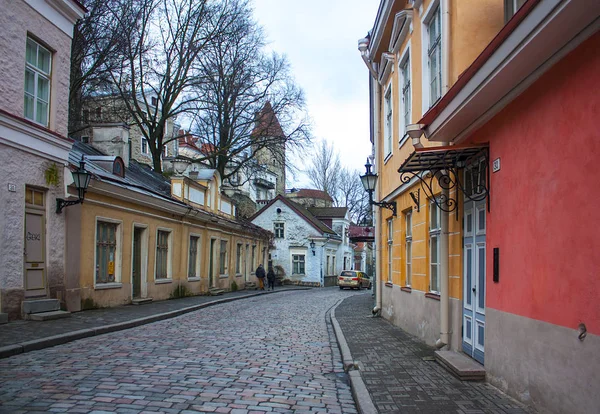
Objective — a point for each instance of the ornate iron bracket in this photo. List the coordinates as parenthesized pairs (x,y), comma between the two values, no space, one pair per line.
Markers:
(383,204)
(60,204)
(417,198)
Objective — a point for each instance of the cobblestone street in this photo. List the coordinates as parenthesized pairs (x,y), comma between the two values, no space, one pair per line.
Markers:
(270,353)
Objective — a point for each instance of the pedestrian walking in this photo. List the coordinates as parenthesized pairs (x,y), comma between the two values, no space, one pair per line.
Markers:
(260,275)
(271,279)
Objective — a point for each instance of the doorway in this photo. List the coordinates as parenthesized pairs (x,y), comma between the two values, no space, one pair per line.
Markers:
(474,249)
(34,275)
(136,265)
(211,264)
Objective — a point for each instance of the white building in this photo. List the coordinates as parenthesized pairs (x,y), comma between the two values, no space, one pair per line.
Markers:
(307,249)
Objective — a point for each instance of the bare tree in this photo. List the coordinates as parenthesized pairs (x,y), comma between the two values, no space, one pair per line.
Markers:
(98,40)
(325,168)
(248,107)
(158,61)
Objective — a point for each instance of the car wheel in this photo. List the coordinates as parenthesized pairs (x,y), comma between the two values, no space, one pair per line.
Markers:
(341,288)
(358,287)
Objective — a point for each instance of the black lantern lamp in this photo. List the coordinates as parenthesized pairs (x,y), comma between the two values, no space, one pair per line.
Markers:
(81,179)
(369,181)
(312,246)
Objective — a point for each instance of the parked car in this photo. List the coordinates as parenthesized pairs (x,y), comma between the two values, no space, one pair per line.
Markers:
(353,279)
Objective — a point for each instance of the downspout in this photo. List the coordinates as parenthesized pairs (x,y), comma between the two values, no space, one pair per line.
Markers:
(378,282)
(444,240)
(363,46)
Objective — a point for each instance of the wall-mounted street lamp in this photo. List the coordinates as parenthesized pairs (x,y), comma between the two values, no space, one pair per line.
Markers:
(81,179)
(312,246)
(369,181)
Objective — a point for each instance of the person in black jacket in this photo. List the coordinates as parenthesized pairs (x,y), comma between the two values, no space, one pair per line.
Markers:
(271,278)
(260,275)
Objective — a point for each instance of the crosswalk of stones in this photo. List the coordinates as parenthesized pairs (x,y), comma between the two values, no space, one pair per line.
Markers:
(272,353)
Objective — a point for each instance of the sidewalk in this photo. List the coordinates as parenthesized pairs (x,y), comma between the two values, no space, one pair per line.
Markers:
(396,372)
(21,336)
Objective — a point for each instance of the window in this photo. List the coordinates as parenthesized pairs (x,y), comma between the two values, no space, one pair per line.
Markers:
(434,57)
(390,241)
(165,151)
(408,246)
(85,139)
(37,82)
(99,113)
(298,264)
(223,257)
(163,260)
(106,251)
(406,104)
(511,7)
(278,230)
(194,257)
(144,146)
(154,101)
(238,259)
(253,262)
(387,143)
(34,197)
(434,246)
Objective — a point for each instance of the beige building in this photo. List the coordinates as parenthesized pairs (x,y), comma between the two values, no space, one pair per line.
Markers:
(35,40)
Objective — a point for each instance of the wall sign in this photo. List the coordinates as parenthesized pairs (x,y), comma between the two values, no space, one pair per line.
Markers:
(12,188)
(496,165)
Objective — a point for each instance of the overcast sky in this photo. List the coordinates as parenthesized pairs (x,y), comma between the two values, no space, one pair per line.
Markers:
(320,39)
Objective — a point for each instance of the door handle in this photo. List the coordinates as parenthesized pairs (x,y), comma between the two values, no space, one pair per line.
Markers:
(474,290)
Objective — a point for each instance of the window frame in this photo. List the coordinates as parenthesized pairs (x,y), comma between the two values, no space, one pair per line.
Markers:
(169,255)
(38,73)
(433,14)
(277,230)
(144,143)
(198,256)
(434,234)
(118,250)
(404,74)
(238,258)
(223,261)
(388,122)
(298,261)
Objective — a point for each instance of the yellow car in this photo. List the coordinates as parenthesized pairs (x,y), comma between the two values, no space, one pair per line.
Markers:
(353,279)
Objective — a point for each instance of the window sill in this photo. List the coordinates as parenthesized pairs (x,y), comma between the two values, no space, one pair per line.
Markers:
(105,286)
(403,140)
(387,158)
(162,281)
(223,276)
(238,275)
(194,279)
(407,289)
(431,295)
(388,284)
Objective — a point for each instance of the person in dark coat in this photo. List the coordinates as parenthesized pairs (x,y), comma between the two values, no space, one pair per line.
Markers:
(271,278)
(260,275)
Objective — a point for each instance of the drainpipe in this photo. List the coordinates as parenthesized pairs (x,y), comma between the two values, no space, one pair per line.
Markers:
(363,46)
(444,280)
(445,46)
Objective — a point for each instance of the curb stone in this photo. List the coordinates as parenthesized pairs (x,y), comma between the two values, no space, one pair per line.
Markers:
(50,341)
(361,395)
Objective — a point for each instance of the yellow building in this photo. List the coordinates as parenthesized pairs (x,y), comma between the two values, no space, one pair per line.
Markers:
(415,52)
(138,237)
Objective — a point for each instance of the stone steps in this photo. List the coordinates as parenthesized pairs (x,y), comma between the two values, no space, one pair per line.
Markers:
(49,316)
(460,365)
(141,301)
(215,291)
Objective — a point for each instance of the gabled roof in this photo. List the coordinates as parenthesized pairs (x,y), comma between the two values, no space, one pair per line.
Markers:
(311,193)
(301,211)
(329,212)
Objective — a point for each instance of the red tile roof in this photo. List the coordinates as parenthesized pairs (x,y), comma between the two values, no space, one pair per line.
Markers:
(267,124)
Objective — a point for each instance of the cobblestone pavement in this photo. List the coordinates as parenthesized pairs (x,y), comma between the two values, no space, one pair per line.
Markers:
(399,373)
(269,353)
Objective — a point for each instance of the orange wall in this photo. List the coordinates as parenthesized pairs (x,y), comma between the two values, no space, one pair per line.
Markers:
(545,200)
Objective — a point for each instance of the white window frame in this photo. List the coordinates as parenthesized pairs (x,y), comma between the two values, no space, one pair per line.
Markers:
(276,230)
(405,85)
(434,10)
(239,249)
(38,73)
(225,272)
(253,263)
(408,247)
(390,248)
(298,253)
(196,276)
(388,122)
(118,249)
(169,277)
(144,142)
(435,230)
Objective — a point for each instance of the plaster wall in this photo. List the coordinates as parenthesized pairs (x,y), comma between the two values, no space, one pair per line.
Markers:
(542,364)
(296,234)
(419,315)
(21,169)
(17,21)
